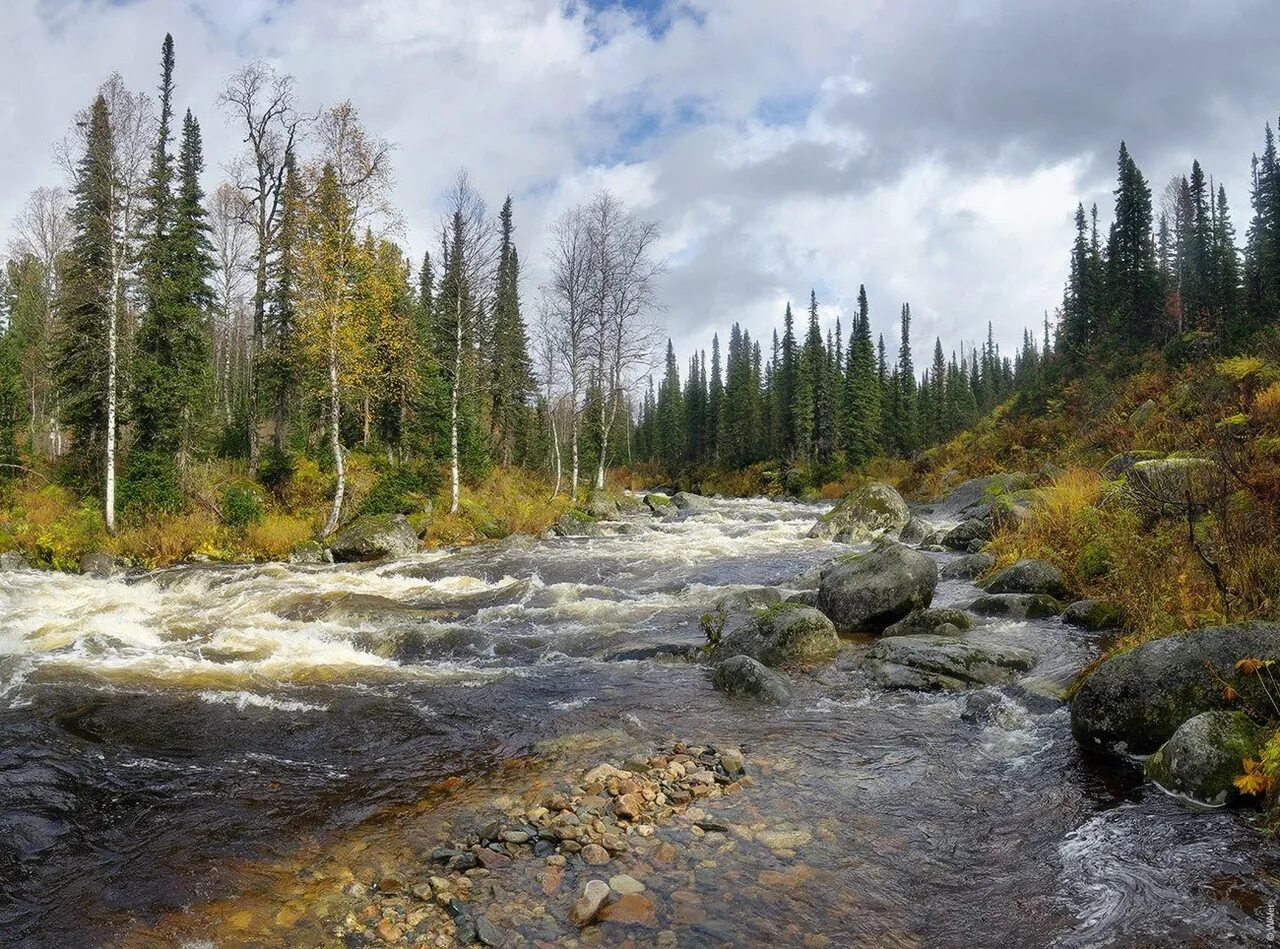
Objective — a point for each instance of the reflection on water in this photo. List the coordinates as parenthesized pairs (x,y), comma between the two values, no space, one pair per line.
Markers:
(160,739)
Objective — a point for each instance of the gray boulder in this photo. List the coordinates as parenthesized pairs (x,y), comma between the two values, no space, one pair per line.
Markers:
(968,567)
(752,598)
(574,524)
(692,503)
(965,534)
(917,532)
(1093,615)
(972,498)
(804,598)
(868,592)
(1164,485)
(1118,466)
(1016,605)
(12,560)
(1205,755)
(744,676)
(1137,699)
(602,506)
(934,663)
(659,504)
(99,563)
(374,537)
(932,621)
(1029,576)
(788,634)
(873,510)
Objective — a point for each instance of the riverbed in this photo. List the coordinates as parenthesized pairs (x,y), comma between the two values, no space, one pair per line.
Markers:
(176,745)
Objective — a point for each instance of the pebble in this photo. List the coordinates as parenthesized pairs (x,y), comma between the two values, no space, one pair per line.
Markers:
(586,907)
(624,883)
(488,933)
(595,855)
(634,909)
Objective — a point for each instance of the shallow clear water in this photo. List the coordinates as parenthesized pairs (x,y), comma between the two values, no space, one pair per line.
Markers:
(159,738)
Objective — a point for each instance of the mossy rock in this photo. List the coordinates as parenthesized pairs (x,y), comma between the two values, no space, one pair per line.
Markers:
(1017,606)
(785,634)
(1093,615)
(1118,465)
(1029,576)
(931,621)
(873,510)
(1205,755)
(374,537)
(747,677)
(935,663)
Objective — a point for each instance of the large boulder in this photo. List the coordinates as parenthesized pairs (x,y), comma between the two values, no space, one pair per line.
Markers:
(1136,700)
(873,510)
(786,634)
(868,592)
(100,563)
(972,499)
(1164,485)
(933,663)
(692,503)
(602,506)
(918,532)
(968,567)
(374,537)
(659,505)
(574,523)
(967,534)
(12,560)
(744,676)
(927,622)
(1205,755)
(1017,606)
(1093,615)
(1029,576)
(1118,466)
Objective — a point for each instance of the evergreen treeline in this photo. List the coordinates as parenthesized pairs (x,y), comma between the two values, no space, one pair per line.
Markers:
(1167,275)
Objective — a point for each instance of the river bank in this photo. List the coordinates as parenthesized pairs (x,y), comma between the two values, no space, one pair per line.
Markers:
(225,752)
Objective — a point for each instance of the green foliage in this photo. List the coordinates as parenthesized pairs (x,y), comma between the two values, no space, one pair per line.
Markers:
(241,506)
(150,486)
(275,468)
(796,482)
(403,489)
(713,623)
(1094,561)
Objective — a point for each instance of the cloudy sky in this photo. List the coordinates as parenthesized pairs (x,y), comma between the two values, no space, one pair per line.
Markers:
(933,150)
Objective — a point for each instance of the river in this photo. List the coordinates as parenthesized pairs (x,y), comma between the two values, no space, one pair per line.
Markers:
(170,742)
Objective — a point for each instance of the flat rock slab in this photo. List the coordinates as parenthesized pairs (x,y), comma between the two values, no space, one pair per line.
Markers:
(934,663)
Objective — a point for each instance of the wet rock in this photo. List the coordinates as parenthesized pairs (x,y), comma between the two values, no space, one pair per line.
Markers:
(933,663)
(584,910)
(691,503)
(12,560)
(804,598)
(374,537)
(659,505)
(102,564)
(487,933)
(1205,755)
(1136,700)
(917,532)
(1119,465)
(1029,576)
(968,567)
(310,552)
(783,635)
(628,807)
(624,883)
(594,855)
(1016,606)
(602,506)
(930,621)
(965,534)
(870,511)
(633,909)
(574,524)
(869,592)
(784,839)
(1093,615)
(752,598)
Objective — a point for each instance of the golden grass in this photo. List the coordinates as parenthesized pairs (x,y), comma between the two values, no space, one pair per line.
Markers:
(276,536)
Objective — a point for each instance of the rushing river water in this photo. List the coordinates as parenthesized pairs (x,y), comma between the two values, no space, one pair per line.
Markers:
(163,736)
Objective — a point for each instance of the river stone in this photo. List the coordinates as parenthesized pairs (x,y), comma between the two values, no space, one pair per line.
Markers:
(659,504)
(744,676)
(102,564)
(868,592)
(917,532)
(12,560)
(1093,615)
(752,598)
(1204,756)
(1118,466)
(804,598)
(870,511)
(926,622)
(374,537)
(603,506)
(966,533)
(1029,576)
(574,524)
(972,498)
(1016,605)
(1137,699)
(933,663)
(589,903)
(968,567)
(787,634)
(693,503)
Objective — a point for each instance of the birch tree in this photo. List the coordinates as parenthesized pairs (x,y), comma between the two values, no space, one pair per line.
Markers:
(232,254)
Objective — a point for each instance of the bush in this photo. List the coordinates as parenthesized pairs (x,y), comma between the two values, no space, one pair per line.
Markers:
(796,482)
(149,486)
(240,506)
(275,468)
(402,490)
(1094,561)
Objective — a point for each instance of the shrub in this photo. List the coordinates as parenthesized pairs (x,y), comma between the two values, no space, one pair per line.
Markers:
(149,486)
(402,490)
(1094,561)
(796,482)
(275,468)
(240,506)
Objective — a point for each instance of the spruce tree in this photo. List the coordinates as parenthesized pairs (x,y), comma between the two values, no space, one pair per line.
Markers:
(511,373)
(906,425)
(1132,282)
(715,398)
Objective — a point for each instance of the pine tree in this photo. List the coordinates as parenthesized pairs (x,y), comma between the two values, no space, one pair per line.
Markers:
(670,414)
(511,373)
(1132,281)
(280,366)
(715,399)
(906,425)
(787,381)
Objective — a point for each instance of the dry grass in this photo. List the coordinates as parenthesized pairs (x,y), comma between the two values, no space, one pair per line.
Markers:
(277,535)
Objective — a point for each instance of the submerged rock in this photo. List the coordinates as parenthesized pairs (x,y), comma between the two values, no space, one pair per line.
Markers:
(926,622)
(869,592)
(586,907)
(744,676)
(786,634)
(933,663)
(1136,700)
(1029,576)
(1016,605)
(872,510)
(1205,755)
(968,567)
(374,537)
(1093,615)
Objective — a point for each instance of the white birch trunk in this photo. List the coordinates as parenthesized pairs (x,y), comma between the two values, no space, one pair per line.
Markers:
(335,407)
